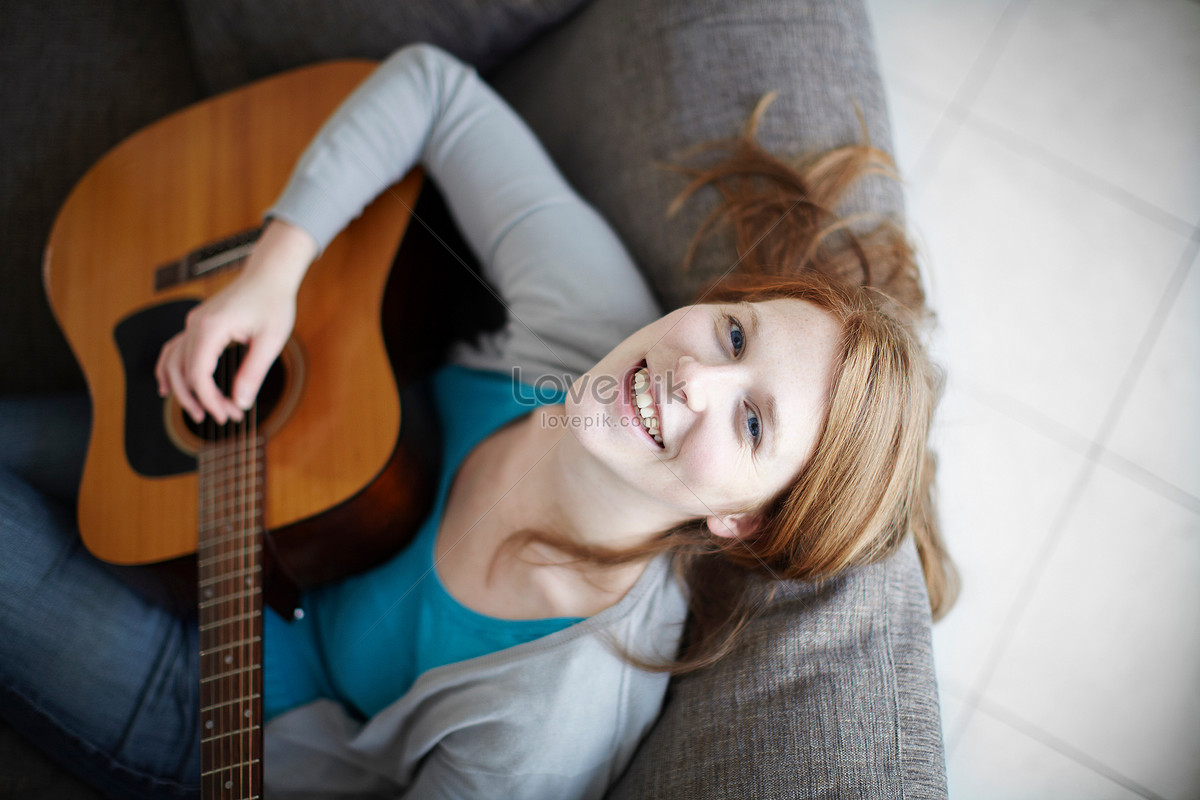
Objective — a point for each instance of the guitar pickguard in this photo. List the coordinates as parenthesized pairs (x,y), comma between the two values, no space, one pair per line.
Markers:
(139,337)
(160,440)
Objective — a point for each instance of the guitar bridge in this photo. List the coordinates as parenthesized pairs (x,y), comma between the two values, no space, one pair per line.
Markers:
(210,259)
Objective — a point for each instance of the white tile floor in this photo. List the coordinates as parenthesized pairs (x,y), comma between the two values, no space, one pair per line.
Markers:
(1052,151)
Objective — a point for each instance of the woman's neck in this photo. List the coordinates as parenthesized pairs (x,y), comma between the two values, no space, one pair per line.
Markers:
(567,492)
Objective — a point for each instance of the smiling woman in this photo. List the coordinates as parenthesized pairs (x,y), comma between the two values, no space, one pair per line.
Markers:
(837,475)
(794,404)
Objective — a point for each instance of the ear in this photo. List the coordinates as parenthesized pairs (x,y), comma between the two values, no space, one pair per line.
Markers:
(741,526)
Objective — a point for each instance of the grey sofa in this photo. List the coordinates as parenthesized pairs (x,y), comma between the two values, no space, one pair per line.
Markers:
(832,692)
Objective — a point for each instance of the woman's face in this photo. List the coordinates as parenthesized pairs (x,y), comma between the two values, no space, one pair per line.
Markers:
(739,391)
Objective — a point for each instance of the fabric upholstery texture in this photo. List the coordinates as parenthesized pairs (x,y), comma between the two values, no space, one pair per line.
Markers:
(237,41)
(830,694)
(626,85)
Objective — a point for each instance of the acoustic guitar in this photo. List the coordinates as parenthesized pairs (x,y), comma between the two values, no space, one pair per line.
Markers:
(325,477)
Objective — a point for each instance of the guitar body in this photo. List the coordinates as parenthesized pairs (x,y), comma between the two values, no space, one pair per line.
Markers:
(180,192)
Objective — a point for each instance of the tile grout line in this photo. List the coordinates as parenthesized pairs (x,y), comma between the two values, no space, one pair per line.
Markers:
(1136,473)
(1038,734)
(952,119)
(952,738)
(1031,580)
(1145,345)
(1067,169)
(1029,417)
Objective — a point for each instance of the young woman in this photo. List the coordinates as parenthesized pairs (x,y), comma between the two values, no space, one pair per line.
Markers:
(520,646)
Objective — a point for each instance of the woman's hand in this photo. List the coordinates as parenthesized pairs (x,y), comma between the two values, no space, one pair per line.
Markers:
(257,309)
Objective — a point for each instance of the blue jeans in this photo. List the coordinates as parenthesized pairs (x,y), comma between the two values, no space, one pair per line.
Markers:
(100,679)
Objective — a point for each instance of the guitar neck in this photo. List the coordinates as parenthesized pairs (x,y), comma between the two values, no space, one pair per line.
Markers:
(230,583)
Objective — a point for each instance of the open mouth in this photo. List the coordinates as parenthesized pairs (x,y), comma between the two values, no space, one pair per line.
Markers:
(641,406)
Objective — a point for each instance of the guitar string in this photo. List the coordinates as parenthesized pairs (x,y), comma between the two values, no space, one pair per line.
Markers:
(247,678)
(244,602)
(229,481)
(214,687)
(224,779)
(255,597)
(239,430)
(246,622)
(205,690)
(247,716)
(249,449)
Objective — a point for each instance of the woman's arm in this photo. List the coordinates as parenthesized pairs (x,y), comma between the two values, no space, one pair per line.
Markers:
(571,289)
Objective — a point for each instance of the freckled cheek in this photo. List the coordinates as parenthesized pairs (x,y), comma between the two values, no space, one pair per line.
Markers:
(705,476)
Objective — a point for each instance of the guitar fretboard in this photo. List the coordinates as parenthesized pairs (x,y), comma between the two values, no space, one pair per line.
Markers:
(230,574)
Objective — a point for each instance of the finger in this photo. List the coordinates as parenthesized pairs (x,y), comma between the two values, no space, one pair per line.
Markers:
(160,368)
(179,388)
(253,371)
(201,364)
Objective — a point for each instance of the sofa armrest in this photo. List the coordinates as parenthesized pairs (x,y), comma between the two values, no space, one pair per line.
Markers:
(830,694)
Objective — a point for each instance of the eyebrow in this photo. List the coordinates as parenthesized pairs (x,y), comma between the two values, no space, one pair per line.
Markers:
(768,405)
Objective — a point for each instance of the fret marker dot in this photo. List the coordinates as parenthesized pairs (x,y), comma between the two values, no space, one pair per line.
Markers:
(208,592)
(208,725)
(228,659)
(249,582)
(246,713)
(228,784)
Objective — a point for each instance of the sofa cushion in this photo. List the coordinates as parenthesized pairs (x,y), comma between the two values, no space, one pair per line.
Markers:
(237,41)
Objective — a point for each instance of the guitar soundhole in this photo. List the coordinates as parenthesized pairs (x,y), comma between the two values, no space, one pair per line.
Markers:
(269,396)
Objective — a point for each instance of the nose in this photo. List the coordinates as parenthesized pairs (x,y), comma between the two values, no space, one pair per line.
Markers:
(696,381)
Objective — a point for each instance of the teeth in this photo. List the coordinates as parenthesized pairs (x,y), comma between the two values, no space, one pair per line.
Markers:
(644,403)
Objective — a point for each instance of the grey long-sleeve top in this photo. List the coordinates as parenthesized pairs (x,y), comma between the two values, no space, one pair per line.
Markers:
(557,717)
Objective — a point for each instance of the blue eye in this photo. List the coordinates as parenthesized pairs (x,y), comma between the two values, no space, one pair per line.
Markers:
(736,337)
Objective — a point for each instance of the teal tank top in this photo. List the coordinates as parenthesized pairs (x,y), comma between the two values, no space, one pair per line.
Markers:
(365,640)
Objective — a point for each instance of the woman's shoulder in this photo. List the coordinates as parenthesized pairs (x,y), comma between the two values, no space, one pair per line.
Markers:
(569,704)
(559,716)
